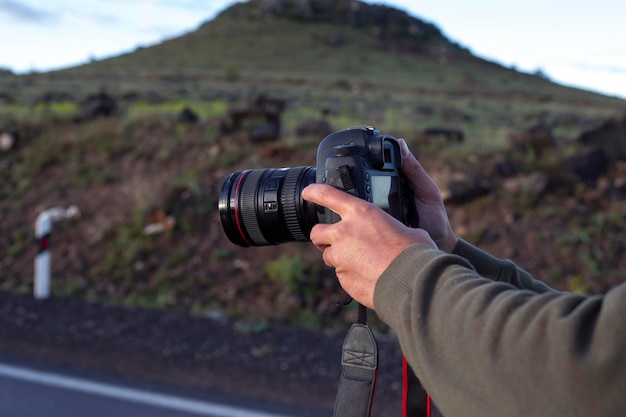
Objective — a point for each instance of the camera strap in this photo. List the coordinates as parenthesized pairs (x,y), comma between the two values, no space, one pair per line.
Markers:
(359,362)
(416,401)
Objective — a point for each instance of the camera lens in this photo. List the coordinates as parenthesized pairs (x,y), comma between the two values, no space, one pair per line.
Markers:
(261,207)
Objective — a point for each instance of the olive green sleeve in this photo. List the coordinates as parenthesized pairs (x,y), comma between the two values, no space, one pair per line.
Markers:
(496,269)
(486,348)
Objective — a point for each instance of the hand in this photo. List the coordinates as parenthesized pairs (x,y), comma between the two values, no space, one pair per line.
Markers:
(362,245)
(432,213)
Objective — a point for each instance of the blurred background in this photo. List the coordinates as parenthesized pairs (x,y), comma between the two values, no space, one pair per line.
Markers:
(135,112)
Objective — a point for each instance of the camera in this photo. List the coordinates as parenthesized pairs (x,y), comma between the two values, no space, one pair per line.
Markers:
(260,207)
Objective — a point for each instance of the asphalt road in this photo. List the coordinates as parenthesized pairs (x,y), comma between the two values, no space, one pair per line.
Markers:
(173,354)
(26,391)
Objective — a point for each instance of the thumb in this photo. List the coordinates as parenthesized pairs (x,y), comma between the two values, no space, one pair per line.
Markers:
(422,185)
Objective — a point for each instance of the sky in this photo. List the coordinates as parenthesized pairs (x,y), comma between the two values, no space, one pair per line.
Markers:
(575,43)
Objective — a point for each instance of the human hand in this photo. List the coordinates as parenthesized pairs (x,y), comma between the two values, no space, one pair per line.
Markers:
(362,245)
(432,213)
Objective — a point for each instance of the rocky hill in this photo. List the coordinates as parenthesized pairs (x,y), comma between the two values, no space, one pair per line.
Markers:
(141,144)
(385,23)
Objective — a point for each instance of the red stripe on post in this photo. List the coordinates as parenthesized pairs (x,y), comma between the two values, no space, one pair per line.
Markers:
(44,243)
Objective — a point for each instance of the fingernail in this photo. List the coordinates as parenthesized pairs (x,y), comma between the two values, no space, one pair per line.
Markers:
(404,147)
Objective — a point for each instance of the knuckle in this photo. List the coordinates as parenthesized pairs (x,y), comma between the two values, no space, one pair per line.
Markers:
(365,210)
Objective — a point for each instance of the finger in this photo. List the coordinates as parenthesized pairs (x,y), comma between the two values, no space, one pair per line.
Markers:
(421,183)
(410,165)
(327,257)
(321,235)
(322,247)
(330,197)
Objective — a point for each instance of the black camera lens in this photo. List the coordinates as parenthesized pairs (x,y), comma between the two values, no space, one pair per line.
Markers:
(260,207)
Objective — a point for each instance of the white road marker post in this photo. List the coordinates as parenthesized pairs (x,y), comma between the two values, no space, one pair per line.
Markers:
(43,230)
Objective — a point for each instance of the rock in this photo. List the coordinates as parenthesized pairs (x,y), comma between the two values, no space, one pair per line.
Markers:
(589,164)
(6,98)
(8,141)
(452,115)
(451,135)
(505,167)
(267,132)
(260,117)
(318,128)
(610,138)
(538,139)
(187,116)
(96,106)
(463,188)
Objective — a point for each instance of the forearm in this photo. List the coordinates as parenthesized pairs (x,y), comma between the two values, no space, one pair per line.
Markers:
(487,348)
(497,269)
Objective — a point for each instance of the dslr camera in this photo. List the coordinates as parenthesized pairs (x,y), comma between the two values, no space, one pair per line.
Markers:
(260,207)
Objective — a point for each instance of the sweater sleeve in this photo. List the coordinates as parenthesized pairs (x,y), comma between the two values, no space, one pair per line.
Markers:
(485,348)
(496,269)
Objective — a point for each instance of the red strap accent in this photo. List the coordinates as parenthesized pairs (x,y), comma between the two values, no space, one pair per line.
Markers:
(405,385)
(405,391)
(373,390)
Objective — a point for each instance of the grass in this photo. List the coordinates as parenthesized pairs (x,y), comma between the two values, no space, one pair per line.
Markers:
(172,108)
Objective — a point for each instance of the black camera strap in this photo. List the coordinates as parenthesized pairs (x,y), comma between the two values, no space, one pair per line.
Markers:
(415,400)
(359,362)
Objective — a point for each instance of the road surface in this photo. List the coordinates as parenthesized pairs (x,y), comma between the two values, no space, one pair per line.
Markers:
(26,391)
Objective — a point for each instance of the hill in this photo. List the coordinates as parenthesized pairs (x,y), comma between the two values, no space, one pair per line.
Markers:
(315,43)
(147,138)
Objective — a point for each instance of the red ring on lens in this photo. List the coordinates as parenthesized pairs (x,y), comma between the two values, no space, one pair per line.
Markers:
(238,222)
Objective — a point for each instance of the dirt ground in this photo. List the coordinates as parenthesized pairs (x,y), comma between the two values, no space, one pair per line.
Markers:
(277,364)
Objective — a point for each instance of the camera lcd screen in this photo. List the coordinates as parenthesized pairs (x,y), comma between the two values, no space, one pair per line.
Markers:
(385,191)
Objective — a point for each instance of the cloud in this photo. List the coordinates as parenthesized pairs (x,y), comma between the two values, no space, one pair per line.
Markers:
(89,19)
(613,61)
(22,11)
(602,68)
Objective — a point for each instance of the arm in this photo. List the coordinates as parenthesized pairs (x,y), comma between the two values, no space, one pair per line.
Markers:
(434,219)
(486,348)
(480,347)
(489,266)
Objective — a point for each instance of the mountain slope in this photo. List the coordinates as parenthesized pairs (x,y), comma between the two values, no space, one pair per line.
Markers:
(335,43)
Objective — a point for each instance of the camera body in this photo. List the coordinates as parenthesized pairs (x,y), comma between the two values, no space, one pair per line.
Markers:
(366,164)
(261,207)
